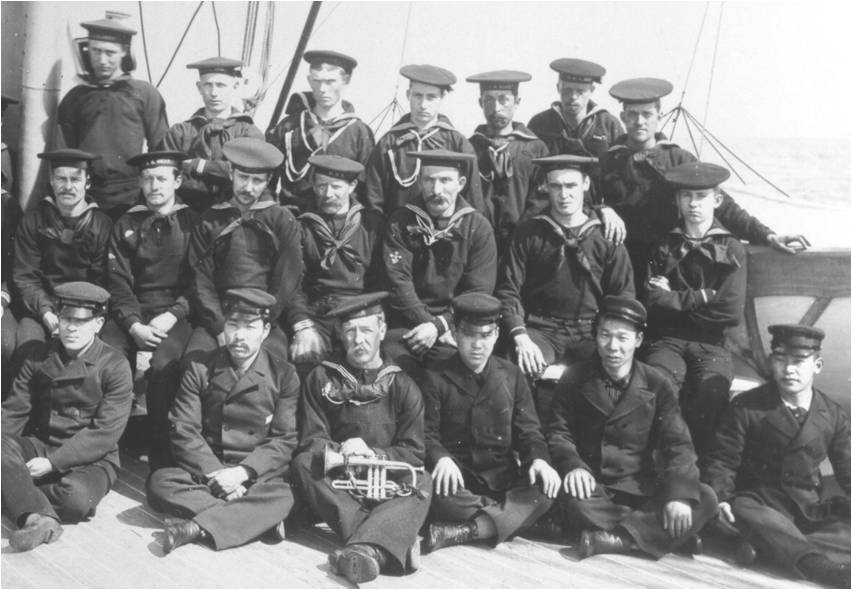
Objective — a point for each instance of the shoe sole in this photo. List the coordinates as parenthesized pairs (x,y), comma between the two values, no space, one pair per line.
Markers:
(357,568)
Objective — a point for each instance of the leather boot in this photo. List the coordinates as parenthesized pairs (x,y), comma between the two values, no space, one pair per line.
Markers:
(276,534)
(359,562)
(820,569)
(179,533)
(412,558)
(594,542)
(37,529)
(446,534)
(692,545)
(744,552)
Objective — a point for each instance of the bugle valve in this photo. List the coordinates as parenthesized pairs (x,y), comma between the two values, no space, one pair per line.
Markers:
(374,483)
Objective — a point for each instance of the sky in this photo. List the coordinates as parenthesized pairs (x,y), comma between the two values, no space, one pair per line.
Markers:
(781,68)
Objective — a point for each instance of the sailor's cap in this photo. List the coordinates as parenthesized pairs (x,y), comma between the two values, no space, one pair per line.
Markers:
(250,154)
(336,166)
(158,158)
(444,158)
(432,75)
(335,58)
(697,175)
(69,157)
(357,306)
(108,30)
(217,65)
(499,80)
(565,162)
(578,70)
(623,308)
(785,336)
(81,300)
(641,90)
(478,309)
(248,301)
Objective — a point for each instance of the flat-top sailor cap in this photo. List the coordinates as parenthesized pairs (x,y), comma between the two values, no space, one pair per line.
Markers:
(697,175)
(623,308)
(158,158)
(796,336)
(565,162)
(217,65)
(641,90)
(358,306)
(82,300)
(578,70)
(69,157)
(250,154)
(499,80)
(444,158)
(432,75)
(336,166)
(316,57)
(476,308)
(248,301)
(108,29)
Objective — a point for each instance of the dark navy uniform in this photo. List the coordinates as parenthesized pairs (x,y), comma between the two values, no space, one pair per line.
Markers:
(597,130)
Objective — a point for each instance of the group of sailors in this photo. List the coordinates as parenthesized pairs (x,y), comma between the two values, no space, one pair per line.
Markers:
(520,332)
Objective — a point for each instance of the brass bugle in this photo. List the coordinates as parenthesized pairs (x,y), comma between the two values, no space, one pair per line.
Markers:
(375,485)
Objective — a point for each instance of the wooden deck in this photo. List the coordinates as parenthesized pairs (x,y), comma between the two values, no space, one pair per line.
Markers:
(121,548)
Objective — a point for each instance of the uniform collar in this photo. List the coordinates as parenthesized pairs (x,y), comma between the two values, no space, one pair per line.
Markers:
(233,117)
(264,202)
(405,124)
(140,208)
(89,205)
(592,109)
(519,131)
(89,80)
(663,142)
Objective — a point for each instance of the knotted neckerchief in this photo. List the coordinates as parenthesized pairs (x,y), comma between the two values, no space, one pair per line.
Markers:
(707,246)
(316,136)
(350,390)
(248,220)
(572,245)
(426,227)
(499,159)
(55,229)
(426,141)
(152,221)
(328,243)
(213,134)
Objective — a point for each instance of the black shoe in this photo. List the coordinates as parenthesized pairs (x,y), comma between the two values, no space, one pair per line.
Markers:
(594,542)
(820,569)
(38,529)
(277,533)
(744,553)
(358,562)
(546,528)
(180,533)
(692,545)
(445,534)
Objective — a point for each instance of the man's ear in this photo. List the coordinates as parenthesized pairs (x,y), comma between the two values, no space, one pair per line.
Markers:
(818,364)
(462,182)
(640,337)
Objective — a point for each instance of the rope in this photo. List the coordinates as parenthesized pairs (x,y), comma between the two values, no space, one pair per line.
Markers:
(712,71)
(248,32)
(144,43)
(394,104)
(327,16)
(218,30)
(694,53)
(182,38)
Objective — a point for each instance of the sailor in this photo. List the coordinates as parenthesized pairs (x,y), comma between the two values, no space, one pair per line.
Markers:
(63,239)
(696,290)
(319,123)
(765,466)
(633,184)
(341,247)
(479,417)
(248,241)
(201,137)
(364,407)
(623,450)
(61,425)
(148,277)
(505,150)
(11,216)
(233,431)
(574,124)
(556,271)
(393,174)
(435,247)
(111,114)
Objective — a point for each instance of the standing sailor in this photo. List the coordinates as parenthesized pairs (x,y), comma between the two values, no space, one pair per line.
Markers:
(319,123)
(61,425)
(393,174)
(201,137)
(364,408)
(505,150)
(113,115)
(341,247)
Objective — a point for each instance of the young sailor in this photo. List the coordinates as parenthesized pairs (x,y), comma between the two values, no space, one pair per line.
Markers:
(696,290)
(435,247)
(505,151)
(201,137)
(233,431)
(319,123)
(622,448)
(61,425)
(364,407)
(479,417)
(393,174)
(111,114)
(765,466)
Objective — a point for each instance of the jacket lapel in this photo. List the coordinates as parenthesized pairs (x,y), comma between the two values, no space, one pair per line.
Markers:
(782,420)
(594,391)
(636,394)
(817,423)
(251,380)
